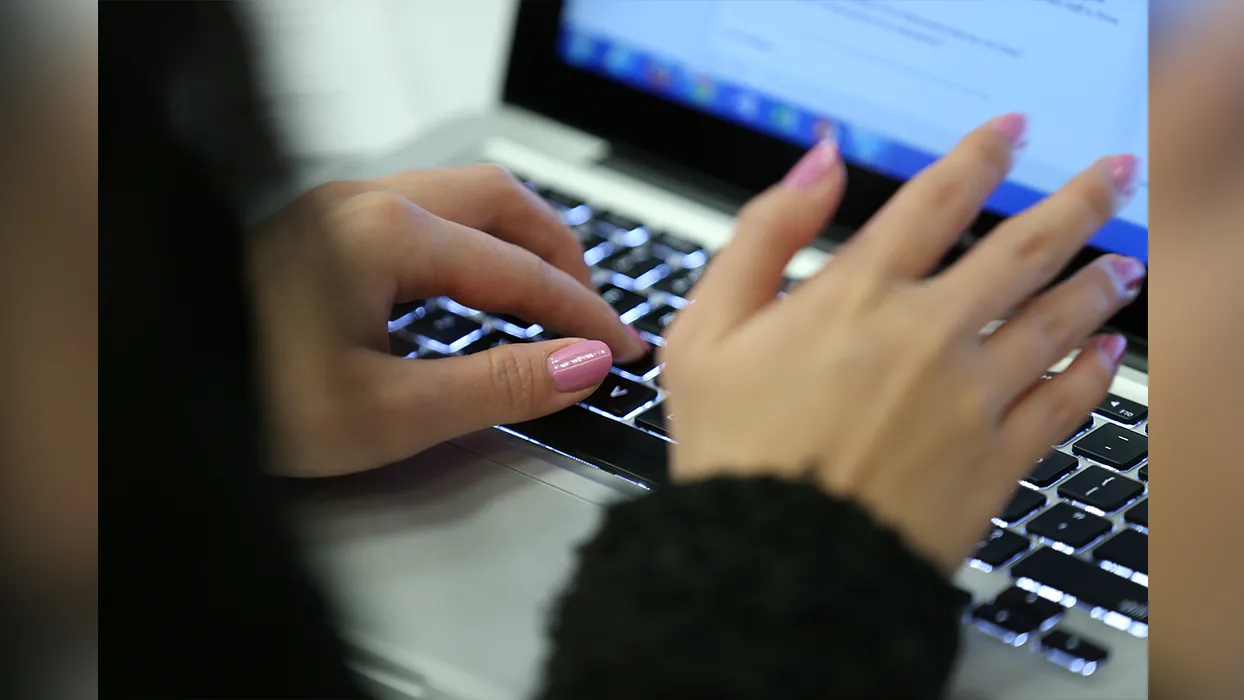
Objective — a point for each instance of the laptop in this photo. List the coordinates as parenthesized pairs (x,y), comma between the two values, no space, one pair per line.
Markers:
(646,125)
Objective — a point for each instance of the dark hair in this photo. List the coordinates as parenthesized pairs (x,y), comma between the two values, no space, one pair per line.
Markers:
(202,592)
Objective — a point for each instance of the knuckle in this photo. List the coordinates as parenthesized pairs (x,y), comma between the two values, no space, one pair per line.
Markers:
(513,381)
(755,216)
(1035,249)
(1057,330)
(1091,204)
(335,191)
(497,178)
(383,209)
(988,153)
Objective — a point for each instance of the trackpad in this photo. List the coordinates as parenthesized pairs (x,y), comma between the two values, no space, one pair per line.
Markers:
(449,561)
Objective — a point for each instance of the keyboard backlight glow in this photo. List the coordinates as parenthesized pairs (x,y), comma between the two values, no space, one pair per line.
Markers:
(636,312)
(696,259)
(649,278)
(577,216)
(537,443)
(980,565)
(1117,621)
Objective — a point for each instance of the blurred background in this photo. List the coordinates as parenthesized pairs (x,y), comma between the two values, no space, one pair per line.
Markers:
(349,79)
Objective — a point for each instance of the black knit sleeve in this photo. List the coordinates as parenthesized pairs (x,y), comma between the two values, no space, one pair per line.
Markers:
(734,589)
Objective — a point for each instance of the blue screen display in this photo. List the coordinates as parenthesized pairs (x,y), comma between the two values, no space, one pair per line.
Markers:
(899,81)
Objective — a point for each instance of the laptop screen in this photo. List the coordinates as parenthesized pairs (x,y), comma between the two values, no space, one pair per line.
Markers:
(899,80)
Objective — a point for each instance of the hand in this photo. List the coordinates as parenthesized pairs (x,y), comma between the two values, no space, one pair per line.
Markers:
(878,384)
(1197,222)
(328,269)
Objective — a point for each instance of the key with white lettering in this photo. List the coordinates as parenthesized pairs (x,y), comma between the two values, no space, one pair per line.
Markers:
(1122,410)
(1101,488)
(620,397)
(1114,446)
(1072,652)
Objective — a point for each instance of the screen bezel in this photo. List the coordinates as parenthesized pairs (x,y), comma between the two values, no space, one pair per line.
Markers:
(539,81)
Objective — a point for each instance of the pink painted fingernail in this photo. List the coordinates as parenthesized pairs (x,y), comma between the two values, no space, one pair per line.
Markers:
(1013,126)
(1112,348)
(580,366)
(1129,275)
(815,165)
(1122,171)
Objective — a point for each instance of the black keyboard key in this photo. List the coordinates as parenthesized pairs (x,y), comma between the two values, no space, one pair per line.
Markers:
(655,419)
(400,315)
(490,341)
(642,369)
(669,244)
(1128,549)
(589,236)
(1030,604)
(617,221)
(620,397)
(622,300)
(441,328)
(1101,488)
(1114,446)
(1138,514)
(603,442)
(401,347)
(1011,626)
(1123,410)
(638,264)
(1080,430)
(1000,547)
(517,326)
(1052,467)
(680,283)
(1086,582)
(1069,525)
(1022,504)
(1144,473)
(1072,652)
(560,199)
(1074,645)
(656,321)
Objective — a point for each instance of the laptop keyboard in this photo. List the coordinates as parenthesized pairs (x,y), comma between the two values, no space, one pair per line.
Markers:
(1074,534)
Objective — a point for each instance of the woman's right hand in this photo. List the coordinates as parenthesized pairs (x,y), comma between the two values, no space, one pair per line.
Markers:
(875,381)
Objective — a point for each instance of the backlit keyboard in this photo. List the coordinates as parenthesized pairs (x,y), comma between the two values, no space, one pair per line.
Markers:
(1074,534)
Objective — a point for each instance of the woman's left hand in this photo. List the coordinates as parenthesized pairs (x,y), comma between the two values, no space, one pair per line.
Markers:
(328,269)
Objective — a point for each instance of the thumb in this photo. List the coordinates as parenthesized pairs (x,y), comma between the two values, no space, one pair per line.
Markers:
(512,383)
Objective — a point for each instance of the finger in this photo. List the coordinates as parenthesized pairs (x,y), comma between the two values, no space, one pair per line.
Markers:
(1057,322)
(488,198)
(772,227)
(916,228)
(1025,253)
(1054,407)
(429,256)
(429,401)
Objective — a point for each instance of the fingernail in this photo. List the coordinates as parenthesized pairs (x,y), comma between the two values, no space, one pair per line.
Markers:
(1012,126)
(1122,171)
(580,366)
(815,165)
(1129,275)
(1112,348)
